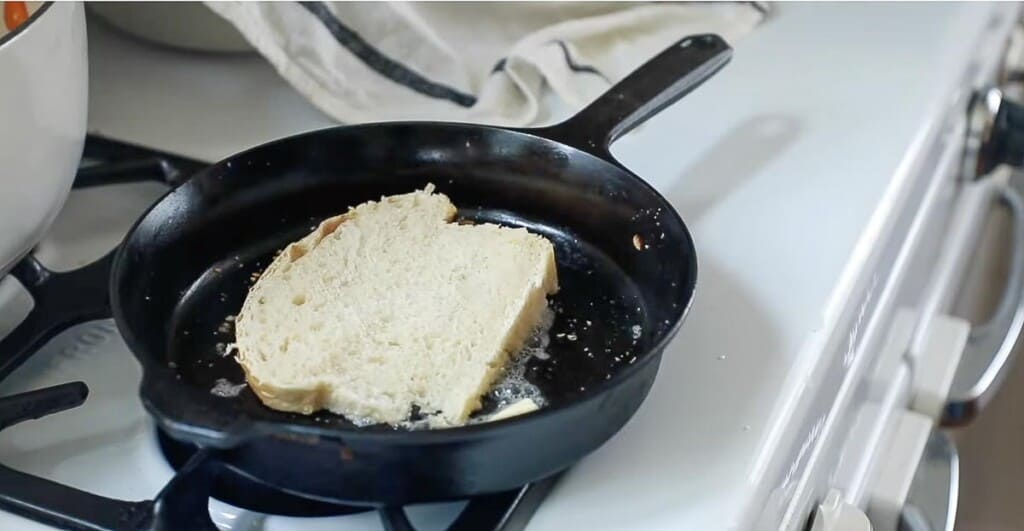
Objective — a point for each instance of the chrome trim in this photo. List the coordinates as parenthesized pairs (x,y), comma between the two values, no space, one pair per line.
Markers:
(990,347)
(932,501)
(981,116)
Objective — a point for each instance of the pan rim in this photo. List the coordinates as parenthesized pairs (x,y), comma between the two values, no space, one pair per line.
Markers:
(155,377)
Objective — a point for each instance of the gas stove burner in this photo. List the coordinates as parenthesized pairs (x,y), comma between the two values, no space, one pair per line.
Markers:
(236,488)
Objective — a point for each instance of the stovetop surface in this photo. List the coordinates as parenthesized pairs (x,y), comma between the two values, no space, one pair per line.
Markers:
(787,166)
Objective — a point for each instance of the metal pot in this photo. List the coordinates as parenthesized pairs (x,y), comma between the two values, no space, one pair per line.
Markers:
(43,103)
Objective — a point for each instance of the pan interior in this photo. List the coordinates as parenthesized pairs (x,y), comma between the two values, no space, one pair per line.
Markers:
(625,264)
(596,313)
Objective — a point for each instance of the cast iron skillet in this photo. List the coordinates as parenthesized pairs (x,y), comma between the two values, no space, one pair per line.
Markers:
(626,266)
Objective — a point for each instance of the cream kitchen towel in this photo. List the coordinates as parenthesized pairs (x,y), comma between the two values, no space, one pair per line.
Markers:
(488,62)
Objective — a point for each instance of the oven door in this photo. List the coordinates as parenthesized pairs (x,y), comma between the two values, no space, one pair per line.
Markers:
(895,461)
(958,367)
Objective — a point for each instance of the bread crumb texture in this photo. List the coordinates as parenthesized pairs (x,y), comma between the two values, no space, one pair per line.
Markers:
(392,305)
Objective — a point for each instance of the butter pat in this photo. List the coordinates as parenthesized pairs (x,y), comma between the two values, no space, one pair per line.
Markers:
(516,408)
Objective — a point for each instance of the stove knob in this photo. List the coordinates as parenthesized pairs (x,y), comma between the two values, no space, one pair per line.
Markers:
(836,515)
(995,133)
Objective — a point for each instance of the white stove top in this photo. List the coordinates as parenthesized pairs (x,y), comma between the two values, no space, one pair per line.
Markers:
(788,166)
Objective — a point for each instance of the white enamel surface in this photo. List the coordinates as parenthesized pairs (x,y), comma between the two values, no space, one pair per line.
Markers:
(788,167)
(43,94)
(791,172)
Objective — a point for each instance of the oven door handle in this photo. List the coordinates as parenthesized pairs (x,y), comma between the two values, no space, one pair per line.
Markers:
(932,501)
(990,346)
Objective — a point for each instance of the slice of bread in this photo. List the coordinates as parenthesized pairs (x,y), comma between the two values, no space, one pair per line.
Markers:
(391,305)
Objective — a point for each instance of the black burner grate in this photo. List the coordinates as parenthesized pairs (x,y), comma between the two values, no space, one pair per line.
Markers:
(236,488)
(201,473)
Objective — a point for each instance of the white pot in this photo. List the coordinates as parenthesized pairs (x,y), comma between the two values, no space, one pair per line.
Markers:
(43,103)
(186,25)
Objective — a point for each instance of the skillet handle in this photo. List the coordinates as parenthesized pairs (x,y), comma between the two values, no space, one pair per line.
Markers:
(61,301)
(657,84)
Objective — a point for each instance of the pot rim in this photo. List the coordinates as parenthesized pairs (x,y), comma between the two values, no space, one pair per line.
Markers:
(10,36)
